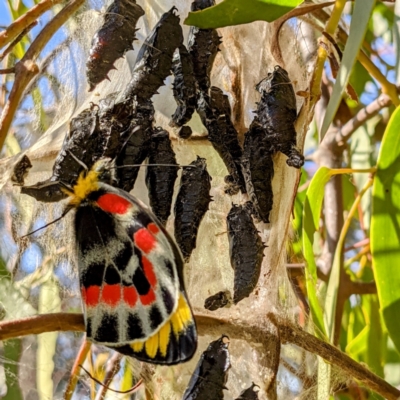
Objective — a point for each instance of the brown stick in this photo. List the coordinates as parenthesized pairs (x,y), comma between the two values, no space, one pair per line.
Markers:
(331,354)
(74,377)
(17,40)
(361,117)
(113,366)
(26,69)
(25,20)
(205,323)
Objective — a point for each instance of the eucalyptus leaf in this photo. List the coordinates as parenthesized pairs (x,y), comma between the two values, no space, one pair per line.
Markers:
(237,12)
(385,228)
(359,24)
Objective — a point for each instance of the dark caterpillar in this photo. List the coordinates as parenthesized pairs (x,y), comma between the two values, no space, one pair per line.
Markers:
(258,171)
(184,87)
(154,61)
(191,205)
(136,144)
(211,374)
(112,40)
(218,300)
(81,142)
(203,46)
(20,170)
(93,134)
(215,113)
(276,112)
(246,250)
(250,393)
(160,180)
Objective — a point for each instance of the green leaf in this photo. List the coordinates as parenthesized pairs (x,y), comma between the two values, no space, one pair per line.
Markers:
(385,228)
(236,12)
(311,217)
(12,355)
(359,23)
(358,345)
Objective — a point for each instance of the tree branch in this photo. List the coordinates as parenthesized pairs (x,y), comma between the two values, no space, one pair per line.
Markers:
(17,40)
(208,324)
(26,69)
(20,24)
(361,117)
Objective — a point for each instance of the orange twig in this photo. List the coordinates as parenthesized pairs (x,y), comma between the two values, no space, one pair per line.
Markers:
(27,68)
(25,20)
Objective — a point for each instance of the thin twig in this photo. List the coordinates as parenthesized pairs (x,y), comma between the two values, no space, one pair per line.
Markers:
(113,366)
(17,40)
(74,377)
(14,29)
(27,68)
(361,117)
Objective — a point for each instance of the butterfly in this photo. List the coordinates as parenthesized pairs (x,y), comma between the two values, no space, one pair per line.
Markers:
(130,272)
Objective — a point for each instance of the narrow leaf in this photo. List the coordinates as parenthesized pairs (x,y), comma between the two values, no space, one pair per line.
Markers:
(311,217)
(359,24)
(236,12)
(385,228)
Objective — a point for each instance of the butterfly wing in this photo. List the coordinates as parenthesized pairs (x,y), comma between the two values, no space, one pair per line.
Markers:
(131,280)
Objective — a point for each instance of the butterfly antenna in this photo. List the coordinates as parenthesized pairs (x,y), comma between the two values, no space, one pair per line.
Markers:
(66,211)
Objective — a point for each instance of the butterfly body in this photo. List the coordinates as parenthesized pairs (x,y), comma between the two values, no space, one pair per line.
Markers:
(130,275)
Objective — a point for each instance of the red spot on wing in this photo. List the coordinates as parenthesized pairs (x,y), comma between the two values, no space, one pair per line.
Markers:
(153,228)
(149,271)
(112,203)
(111,294)
(144,240)
(148,298)
(130,295)
(91,296)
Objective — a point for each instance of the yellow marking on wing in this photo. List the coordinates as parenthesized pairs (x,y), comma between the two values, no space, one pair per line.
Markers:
(152,346)
(163,340)
(182,317)
(137,346)
(179,321)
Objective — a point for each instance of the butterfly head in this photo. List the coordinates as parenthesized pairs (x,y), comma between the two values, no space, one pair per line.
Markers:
(88,181)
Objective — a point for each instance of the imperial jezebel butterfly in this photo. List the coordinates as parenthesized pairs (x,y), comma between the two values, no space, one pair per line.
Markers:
(130,273)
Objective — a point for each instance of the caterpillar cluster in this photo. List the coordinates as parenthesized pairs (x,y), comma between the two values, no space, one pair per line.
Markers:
(121,127)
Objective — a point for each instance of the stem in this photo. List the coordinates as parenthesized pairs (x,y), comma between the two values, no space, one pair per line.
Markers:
(113,366)
(73,379)
(335,304)
(361,117)
(388,88)
(315,85)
